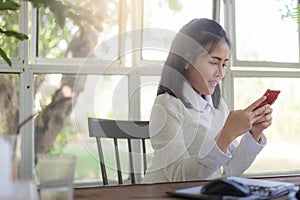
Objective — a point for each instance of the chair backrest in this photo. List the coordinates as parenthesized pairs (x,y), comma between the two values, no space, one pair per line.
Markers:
(116,130)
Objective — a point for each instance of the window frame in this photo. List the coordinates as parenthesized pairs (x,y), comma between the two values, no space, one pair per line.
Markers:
(250,68)
(29,65)
(231,22)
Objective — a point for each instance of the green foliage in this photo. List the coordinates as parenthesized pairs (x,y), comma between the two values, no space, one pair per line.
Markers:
(9,33)
(59,20)
(8,5)
(63,10)
(87,165)
(62,140)
(51,35)
(175,5)
(8,36)
(296,14)
(19,36)
(4,56)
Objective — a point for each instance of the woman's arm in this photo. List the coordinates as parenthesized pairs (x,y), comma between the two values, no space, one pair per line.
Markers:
(243,154)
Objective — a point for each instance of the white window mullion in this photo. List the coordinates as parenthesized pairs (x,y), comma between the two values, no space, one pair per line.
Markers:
(228,81)
(137,33)
(229,12)
(123,15)
(23,26)
(27,131)
(216,10)
(299,39)
(34,33)
(25,100)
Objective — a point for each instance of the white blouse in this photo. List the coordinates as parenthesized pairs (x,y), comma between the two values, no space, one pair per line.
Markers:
(184,144)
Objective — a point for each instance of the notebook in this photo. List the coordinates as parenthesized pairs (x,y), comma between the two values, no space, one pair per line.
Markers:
(260,189)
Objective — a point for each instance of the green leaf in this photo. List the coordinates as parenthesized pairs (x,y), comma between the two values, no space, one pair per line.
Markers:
(175,5)
(9,5)
(296,14)
(5,58)
(9,33)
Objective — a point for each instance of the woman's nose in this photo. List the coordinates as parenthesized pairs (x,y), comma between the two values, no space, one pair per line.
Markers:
(220,72)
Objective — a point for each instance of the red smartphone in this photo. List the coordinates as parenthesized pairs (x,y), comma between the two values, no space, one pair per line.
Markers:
(271,97)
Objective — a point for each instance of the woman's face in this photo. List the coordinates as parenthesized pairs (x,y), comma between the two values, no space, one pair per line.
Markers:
(208,70)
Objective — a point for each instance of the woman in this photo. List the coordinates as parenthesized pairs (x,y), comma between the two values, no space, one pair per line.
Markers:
(192,132)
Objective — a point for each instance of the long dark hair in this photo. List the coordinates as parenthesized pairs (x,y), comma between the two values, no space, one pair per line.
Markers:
(196,37)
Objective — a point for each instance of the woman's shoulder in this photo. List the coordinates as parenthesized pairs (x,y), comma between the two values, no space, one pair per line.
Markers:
(168,101)
(166,98)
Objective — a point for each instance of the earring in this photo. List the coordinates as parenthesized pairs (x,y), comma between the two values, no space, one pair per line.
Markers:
(186,66)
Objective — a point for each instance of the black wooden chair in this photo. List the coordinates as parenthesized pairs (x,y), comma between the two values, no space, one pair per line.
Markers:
(117,130)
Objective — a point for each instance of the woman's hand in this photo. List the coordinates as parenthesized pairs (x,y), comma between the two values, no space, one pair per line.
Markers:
(263,122)
(240,121)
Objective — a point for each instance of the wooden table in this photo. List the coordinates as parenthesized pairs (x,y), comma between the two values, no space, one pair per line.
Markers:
(149,191)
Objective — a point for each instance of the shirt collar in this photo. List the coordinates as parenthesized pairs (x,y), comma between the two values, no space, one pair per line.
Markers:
(196,101)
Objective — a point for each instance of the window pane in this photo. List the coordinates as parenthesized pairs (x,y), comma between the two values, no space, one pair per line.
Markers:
(9,103)
(166,18)
(71,40)
(279,155)
(265,31)
(9,20)
(98,96)
(149,85)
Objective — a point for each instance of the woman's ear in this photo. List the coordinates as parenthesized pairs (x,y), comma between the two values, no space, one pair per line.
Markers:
(186,66)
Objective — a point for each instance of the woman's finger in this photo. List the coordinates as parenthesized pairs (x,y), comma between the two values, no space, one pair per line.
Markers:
(264,118)
(254,105)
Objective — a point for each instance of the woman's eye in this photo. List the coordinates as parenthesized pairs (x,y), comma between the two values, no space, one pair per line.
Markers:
(215,63)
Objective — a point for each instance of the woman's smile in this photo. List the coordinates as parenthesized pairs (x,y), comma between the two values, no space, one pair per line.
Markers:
(213,83)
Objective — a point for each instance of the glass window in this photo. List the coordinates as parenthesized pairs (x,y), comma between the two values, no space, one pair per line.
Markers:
(149,85)
(164,19)
(76,35)
(265,31)
(9,103)
(283,138)
(9,20)
(60,129)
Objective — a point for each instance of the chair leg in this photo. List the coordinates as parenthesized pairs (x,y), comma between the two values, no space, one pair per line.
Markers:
(119,171)
(144,155)
(102,164)
(131,162)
